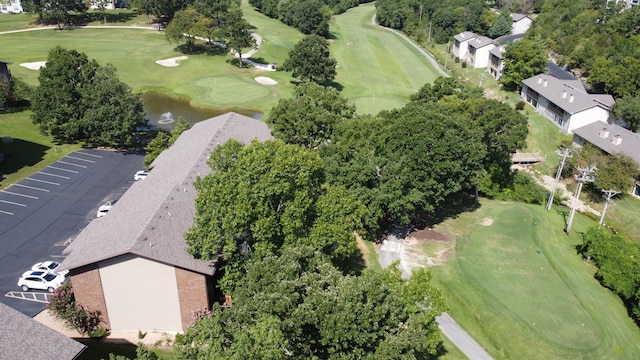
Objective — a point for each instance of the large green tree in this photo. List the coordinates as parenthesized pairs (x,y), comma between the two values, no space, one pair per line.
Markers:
(310,60)
(627,108)
(309,117)
(405,162)
(502,26)
(262,197)
(523,59)
(79,100)
(298,306)
(237,34)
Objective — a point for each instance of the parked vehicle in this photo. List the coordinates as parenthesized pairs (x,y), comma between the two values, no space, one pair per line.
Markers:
(40,280)
(104,209)
(140,175)
(49,266)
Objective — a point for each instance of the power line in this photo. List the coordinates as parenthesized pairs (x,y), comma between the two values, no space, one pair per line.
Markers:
(565,153)
(585,176)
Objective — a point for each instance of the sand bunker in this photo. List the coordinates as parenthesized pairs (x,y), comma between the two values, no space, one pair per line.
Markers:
(265,80)
(487,222)
(171,62)
(34,65)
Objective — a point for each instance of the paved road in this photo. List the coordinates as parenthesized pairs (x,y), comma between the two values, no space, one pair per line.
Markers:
(392,250)
(38,214)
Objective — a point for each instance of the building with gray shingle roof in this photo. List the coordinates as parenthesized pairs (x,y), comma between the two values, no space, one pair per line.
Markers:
(133,265)
(460,44)
(611,139)
(521,23)
(565,102)
(22,338)
(478,51)
(496,61)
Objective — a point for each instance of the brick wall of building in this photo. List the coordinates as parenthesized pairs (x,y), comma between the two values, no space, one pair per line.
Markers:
(87,288)
(192,292)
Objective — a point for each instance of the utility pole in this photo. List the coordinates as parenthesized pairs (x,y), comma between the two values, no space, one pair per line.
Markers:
(446,54)
(429,42)
(585,176)
(565,153)
(608,194)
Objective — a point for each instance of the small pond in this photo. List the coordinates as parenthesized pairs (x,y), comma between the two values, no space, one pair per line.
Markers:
(163,111)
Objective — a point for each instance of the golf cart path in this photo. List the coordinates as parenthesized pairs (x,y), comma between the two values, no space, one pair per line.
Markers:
(391,250)
(421,50)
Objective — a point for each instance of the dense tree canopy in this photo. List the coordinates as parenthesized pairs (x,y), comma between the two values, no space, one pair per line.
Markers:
(405,162)
(618,261)
(308,16)
(308,118)
(502,26)
(522,60)
(264,196)
(54,11)
(298,306)
(79,100)
(627,108)
(310,60)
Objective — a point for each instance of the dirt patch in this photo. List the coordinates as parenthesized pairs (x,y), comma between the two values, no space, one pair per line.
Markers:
(428,235)
(363,249)
(487,222)
(265,80)
(173,62)
(34,65)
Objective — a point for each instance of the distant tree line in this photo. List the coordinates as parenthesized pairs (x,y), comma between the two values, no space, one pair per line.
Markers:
(308,16)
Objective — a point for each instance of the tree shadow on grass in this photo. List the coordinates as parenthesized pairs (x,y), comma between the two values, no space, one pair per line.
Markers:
(451,208)
(200,49)
(19,153)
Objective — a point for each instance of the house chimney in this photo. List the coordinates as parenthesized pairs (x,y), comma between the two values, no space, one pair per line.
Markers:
(604,132)
(616,140)
(564,94)
(570,98)
(545,83)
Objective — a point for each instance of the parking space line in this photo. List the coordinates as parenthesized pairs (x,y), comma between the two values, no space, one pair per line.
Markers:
(62,169)
(60,176)
(72,164)
(17,194)
(43,181)
(81,159)
(31,187)
(6,212)
(94,155)
(12,203)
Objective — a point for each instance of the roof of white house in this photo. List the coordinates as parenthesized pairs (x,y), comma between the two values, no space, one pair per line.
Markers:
(22,338)
(570,96)
(498,51)
(465,36)
(518,17)
(611,138)
(152,216)
(481,41)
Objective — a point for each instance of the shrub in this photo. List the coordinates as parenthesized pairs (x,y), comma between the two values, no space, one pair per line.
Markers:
(63,306)
(520,105)
(98,333)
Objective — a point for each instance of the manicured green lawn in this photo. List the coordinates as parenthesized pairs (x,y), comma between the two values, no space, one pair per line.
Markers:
(29,151)
(518,287)
(377,68)
(624,215)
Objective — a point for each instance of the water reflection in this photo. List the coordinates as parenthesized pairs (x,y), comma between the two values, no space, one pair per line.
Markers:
(163,111)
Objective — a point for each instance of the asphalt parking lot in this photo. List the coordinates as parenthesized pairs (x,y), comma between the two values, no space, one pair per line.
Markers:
(42,213)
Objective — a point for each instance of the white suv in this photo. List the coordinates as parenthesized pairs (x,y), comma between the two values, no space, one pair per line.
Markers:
(49,266)
(104,209)
(140,175)
(40,280)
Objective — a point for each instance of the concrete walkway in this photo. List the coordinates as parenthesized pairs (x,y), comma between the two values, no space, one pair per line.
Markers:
(393,250)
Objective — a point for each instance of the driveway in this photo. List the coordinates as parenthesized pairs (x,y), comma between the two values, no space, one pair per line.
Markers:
(42,213)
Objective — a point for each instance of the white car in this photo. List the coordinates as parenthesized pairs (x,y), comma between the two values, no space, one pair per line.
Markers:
(40,280)
(104,209)
(140,175)
(50,266)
